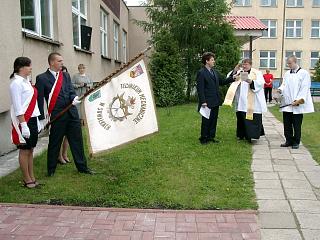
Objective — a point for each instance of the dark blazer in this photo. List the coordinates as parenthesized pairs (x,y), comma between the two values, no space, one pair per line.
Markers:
(44,84)
(208,87)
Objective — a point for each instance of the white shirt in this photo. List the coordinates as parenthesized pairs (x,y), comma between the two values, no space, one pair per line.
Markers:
(53,73)
(296,86)
(20,91)
(241,96)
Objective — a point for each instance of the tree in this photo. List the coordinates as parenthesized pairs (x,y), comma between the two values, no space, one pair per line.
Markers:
(197,26)
(166,72)
(316,74)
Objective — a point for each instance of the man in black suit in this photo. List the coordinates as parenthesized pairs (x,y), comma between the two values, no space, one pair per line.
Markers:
(69,123)
(208,81)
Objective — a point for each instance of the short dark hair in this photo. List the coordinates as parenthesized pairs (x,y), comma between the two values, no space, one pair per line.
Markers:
(247,60)
(207,56)
(20,62)
(52,56)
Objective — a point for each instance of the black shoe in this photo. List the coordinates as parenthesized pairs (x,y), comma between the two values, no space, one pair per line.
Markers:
(214,141)
(286,144)
(50,174)
(87,171)
(204,142)
(295,146)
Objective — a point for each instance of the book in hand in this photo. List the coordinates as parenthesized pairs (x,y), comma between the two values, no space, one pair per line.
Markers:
(205,112)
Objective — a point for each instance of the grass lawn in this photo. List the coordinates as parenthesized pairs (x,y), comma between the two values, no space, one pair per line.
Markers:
(310,130)
(167,170)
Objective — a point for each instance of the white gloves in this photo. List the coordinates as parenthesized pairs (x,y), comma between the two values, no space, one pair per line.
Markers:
(43,123)
(25,130)
(76,101)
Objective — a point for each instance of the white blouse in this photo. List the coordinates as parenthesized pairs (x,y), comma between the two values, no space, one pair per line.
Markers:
(20,91)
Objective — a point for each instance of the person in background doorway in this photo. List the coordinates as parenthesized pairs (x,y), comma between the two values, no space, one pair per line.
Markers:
(81,83)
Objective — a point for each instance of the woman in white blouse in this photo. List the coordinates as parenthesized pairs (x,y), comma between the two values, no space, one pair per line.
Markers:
(24,116)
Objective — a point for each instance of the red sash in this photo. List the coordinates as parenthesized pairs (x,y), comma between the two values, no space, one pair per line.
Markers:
(55,92)
(27,116)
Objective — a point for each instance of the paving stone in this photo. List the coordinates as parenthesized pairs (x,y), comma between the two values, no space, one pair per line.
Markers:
(300,194)
(261,168)
(277,220)
(284,162)
(280,234)
(309,168)
(284,168)
(289,183)
(274,206)
(269,194)
(266,175)
(309,220)
(314,178)
(306,206)
(273,184)
(293,176)
(311,234)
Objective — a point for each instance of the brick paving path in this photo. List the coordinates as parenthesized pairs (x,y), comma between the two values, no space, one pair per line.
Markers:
(36,222)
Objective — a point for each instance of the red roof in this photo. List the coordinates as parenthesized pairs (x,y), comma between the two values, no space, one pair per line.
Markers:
(246,23)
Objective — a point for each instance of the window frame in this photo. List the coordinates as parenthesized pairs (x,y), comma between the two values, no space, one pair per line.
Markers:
(269,27)
(295,4)
(37,20)
(318,28)
(124,46)
(243,4)
(104,32)
(80,15)
(116,54)
(294,28)
(268,59)
(311,58)
(269,4)
(315,5)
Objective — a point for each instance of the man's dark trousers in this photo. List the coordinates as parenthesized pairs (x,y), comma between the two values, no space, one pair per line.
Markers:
(70,127)
(292,127)
(209,126)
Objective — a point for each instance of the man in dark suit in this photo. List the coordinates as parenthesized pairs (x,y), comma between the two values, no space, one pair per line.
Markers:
(58,92)
(208,81)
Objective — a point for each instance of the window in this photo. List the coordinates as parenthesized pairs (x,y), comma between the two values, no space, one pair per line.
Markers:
(245,54)
(272,28)
(116,40)
(267,59)
(36,17)
(242,3)
(293,28)
(314,58)
(315,28)
(295,53)
(104,33)
(124,46)
(294,3)
(268,3)
(316,3)
(79,17)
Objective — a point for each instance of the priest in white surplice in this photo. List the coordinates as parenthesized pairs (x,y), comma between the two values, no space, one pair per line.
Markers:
(296,97)
(248,95)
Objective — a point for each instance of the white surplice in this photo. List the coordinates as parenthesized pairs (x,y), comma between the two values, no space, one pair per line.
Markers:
(296,86)
(241,97)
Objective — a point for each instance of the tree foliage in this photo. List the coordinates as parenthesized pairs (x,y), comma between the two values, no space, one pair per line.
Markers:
(196,26)
(316,74)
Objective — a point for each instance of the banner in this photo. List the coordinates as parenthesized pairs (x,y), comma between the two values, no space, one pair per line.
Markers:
(121,111)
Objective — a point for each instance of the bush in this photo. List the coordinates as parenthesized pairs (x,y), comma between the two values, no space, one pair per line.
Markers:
(316,74)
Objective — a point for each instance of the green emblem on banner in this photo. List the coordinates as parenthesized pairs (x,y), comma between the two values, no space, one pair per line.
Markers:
(94,96)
